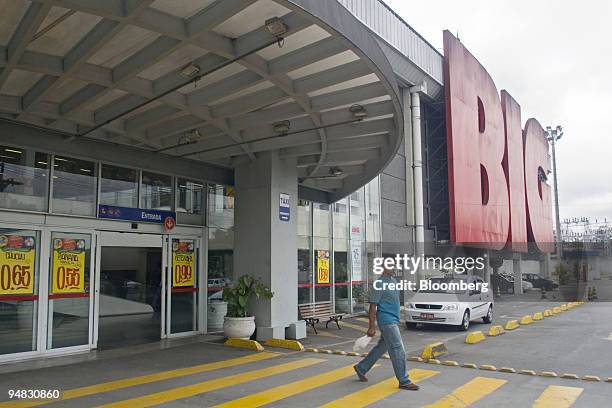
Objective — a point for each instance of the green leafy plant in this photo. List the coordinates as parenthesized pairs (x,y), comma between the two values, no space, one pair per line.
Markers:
(238,295)
(563,274)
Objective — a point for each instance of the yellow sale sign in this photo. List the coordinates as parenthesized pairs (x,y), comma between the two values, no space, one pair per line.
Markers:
(17,265)
(183,264)
(68,267)
(323,267)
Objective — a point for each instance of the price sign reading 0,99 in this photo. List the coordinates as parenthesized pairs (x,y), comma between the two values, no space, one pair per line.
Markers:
(183,263)
(17,264)
(68,265)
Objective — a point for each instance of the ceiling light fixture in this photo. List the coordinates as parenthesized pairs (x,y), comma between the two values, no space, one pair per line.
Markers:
(358,111)
(281,127)
(276,27)
(336,171)
(190,70)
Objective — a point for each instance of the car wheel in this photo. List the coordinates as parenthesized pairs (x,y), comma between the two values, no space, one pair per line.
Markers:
(411,325)
(465,322)
(489,317)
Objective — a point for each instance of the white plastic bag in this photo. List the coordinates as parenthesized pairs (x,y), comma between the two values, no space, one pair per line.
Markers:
(361,343)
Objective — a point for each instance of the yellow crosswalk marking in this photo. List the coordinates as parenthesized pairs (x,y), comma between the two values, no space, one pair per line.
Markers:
(288,390)
(556,396)
(144,379)
(211,385)
(378,391)
(469,393)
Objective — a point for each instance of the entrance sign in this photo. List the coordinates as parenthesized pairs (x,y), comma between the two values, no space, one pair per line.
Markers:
(323,267)
(356,260)
(17,264)
(498,195)
(284,207)
(135,214)
(68,265)
(183,263)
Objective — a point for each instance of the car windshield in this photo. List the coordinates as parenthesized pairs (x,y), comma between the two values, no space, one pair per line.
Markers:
(444,285)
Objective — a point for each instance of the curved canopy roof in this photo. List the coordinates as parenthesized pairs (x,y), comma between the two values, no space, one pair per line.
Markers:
(214,81)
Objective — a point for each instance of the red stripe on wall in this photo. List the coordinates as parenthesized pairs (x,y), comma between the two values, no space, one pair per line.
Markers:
(19,297)
(181,290)
(68,295)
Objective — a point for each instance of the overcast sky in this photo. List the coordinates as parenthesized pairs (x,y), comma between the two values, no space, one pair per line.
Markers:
(555,59)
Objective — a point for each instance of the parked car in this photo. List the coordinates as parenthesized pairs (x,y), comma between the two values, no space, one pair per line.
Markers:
(539,282)
(456,308)
(505,282)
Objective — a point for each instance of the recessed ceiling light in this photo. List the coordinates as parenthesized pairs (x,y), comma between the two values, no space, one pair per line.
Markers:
(190,70)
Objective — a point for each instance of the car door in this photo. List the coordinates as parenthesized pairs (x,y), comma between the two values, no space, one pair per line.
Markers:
(479,307)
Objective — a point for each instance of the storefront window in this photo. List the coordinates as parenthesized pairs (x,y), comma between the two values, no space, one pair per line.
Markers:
(69,290)
(340,264)
(156,191)
(322,248)
(190,202)
(357,247)
(372,211)
(119,186)
(24,179)
(74,186)
(220,239)
(19,254)
(304,256)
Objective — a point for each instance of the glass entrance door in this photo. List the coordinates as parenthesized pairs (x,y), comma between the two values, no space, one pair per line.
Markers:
(130,290)
(183,283)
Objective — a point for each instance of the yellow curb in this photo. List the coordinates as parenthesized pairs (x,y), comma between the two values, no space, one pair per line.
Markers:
(434,350)
(527,372)
(339,352)
(285,343)
(415,358)
(488,367)
(433,361)
(474,337)
(469,365)
(564,307)
(496,330)
(450,363)
(325,351)
(526,320)
(591,378)
(548,313)
(556,310)
(353,354)
(511,325)
(538,316)
(548,374)
(570,376)
(246,344)
(312,350)
(507,370)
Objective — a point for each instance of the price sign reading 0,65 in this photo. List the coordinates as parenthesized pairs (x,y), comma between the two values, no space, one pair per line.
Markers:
(17,264)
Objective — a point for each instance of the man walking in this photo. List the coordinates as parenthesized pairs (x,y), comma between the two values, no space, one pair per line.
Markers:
(385,309)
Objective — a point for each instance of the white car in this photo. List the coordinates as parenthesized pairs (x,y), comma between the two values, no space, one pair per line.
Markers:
(456,308)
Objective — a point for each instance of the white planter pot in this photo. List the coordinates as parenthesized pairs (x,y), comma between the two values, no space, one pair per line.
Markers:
(239,327)
(216,313)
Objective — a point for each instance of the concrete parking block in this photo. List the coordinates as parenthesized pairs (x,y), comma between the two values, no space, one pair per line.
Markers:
(475,337)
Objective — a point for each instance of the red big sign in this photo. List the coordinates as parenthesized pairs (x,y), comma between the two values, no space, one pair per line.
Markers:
(498,195)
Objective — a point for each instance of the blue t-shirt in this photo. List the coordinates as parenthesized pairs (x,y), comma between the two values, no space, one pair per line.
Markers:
(387,302)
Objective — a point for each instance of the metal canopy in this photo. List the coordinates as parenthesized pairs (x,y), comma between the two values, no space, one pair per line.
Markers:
(124,71)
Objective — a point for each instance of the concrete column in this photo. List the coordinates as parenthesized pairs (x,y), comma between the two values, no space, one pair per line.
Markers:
(265,246)
(518,276)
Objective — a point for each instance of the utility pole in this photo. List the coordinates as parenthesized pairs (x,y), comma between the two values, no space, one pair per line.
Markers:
(553,135)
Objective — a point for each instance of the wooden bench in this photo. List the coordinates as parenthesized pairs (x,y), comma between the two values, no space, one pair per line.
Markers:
(312,312)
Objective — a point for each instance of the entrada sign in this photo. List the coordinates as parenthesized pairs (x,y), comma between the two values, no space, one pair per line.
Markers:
(497,171)
(137,214)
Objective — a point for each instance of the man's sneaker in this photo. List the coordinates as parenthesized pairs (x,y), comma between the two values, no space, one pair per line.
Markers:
(361,376)
(409,386)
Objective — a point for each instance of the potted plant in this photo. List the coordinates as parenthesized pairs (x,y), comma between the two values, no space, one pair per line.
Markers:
(238,322)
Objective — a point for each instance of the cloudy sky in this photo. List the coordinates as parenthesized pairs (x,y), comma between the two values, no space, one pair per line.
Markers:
(555,59)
